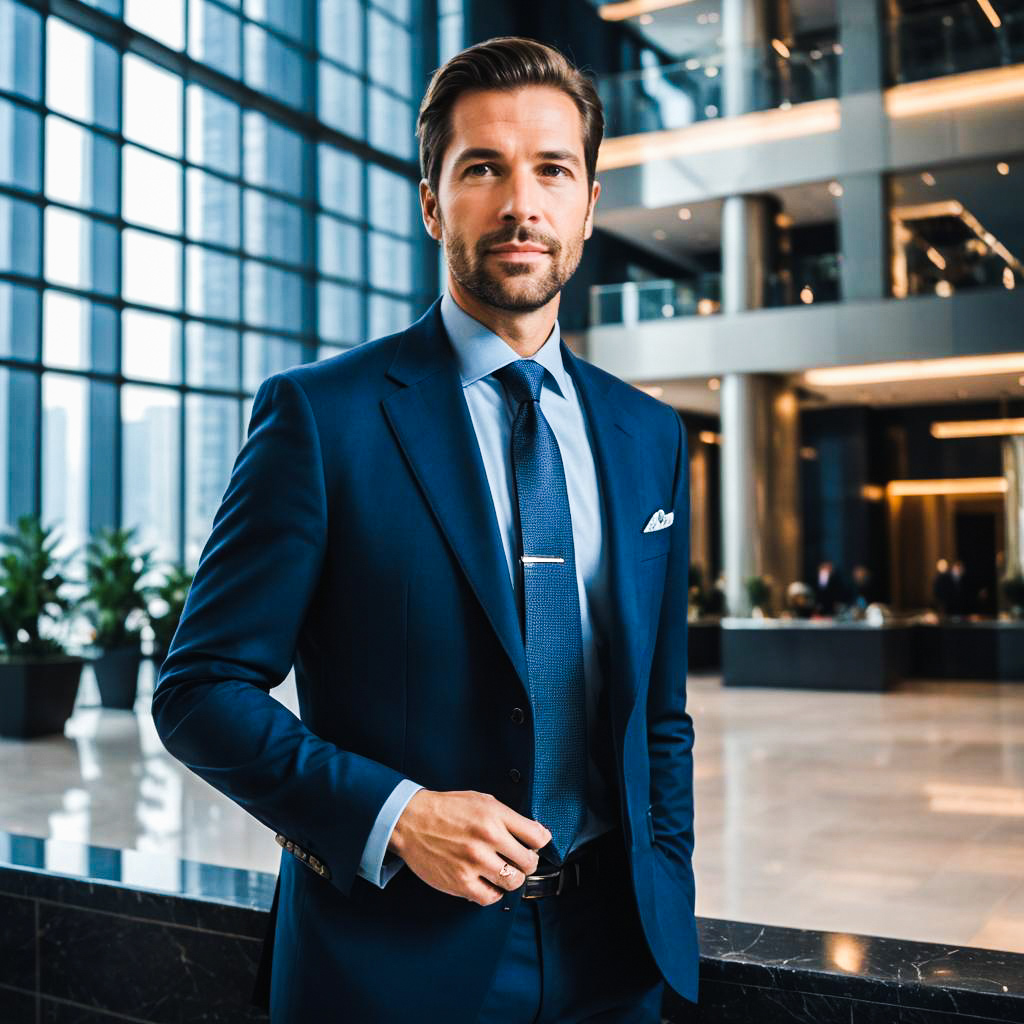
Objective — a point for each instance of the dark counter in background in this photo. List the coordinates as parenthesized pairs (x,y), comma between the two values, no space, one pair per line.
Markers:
(960,649)
(817,654)
(119,936)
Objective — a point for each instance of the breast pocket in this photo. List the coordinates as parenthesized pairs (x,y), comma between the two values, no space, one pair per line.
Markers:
(655,543)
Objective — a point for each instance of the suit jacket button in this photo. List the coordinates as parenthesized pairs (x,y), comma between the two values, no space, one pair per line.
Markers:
(517,716)
(515,774)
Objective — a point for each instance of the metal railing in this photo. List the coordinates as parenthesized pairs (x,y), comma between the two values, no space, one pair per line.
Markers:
(634,301)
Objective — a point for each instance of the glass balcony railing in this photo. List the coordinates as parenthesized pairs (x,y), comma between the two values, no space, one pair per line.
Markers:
(634,301)
(953,38)
(808,280)
(673,96)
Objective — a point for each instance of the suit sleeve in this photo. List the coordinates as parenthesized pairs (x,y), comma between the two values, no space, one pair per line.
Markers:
(237,639)
(669,727)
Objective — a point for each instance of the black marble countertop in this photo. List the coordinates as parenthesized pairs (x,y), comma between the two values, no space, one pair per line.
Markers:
(912,975)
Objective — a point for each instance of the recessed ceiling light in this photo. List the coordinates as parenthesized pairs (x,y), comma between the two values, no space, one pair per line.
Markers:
(684,213)
(646,19)
(943,289)
(714,384)
(692,64)
(806,295)
(712,17)
(835,189)
(711,71)
(659,234)
(1003,167)
(928,178)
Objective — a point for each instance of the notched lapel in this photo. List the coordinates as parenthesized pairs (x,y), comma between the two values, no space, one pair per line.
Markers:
(431,422)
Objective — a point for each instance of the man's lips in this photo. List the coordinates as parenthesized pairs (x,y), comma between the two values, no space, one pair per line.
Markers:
(519,252)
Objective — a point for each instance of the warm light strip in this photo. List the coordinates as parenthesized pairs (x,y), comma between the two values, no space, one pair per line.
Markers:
(872,492)
(977,428)
(631,8)
(814,118)
(915,369)
(994,20)
(966,485)
(710,437)
(925,211)
(969,89)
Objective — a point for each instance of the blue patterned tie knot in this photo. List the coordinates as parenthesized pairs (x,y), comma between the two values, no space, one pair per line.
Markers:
(522,379)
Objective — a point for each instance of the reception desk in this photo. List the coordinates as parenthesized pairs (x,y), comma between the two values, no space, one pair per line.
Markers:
(813,654)
(962,649)
(115,936)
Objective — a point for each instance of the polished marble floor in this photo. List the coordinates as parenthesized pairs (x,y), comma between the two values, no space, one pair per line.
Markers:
(898,814)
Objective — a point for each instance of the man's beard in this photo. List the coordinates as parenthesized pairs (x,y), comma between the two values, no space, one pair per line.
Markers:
(470,270)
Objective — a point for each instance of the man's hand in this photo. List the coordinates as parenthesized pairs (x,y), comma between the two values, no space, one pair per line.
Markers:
(458,842)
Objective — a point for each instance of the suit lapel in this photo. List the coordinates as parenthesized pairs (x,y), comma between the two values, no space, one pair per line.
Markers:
(431,421)
(616,457)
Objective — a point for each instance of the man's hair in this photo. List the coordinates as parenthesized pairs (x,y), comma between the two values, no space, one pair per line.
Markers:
(504,63)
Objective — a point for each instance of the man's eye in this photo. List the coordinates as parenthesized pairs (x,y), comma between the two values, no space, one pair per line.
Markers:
(478,170)
(554,171)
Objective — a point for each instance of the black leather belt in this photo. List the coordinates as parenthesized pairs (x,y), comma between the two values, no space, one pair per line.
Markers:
(583,867)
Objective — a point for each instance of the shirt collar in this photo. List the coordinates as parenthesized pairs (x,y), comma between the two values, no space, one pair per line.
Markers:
(479,351)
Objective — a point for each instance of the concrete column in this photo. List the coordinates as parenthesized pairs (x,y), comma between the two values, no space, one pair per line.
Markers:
(744,45)
(760,486)
(746,253)
(1013,471)
(863,206)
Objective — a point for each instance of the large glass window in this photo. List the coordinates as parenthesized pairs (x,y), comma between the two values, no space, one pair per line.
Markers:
(167,241)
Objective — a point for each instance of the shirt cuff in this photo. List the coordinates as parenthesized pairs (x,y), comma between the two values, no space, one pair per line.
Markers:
(373,866)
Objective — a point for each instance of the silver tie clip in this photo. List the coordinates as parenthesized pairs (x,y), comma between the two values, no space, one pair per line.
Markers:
(535,559)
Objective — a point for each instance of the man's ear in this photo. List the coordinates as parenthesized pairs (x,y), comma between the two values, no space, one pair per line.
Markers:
(588,226)
(428,208)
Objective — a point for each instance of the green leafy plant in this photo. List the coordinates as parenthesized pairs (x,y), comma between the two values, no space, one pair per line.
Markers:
(172,592)
(759,591)
(30,583)
(113,572)
(1013,591)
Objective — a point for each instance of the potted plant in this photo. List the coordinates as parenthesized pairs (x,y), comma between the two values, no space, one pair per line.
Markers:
(115,604)
(38,678)
(1013,591)
(759,593)
(170,598)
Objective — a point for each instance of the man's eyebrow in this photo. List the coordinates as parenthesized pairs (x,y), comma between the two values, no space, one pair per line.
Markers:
(482,153)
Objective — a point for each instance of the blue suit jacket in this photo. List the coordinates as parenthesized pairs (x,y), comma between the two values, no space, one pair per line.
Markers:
(357,540)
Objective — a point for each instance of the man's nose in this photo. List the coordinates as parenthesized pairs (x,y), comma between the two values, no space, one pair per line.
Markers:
(521,199)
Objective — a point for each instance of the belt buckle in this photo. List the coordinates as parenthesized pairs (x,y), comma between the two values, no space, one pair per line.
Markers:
(560,873)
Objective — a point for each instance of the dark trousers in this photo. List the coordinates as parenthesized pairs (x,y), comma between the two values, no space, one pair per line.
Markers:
(577,957)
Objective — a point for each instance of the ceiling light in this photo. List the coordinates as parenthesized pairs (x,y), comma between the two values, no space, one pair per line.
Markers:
(943,289)
(806,295)
(692,64)
(872,492)
(710,437)
(631,8)
(783,220)
(815,54)
(714,384)
(659,235)
(928,178)
(1009,281)
(780,48)
(916,369)
(705,307)
(936,257)
(1003,167)
(969,89)
(977,428)
(963,485)
(712,17)
(702,19)
(835,189)
(711,71)
(816,117)
(993,18)
(684,213)
(837,48)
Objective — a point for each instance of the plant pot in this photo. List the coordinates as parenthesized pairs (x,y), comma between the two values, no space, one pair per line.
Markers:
(117,676)
(37,695)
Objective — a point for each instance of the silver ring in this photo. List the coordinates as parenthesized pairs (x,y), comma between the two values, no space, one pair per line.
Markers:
(506,870)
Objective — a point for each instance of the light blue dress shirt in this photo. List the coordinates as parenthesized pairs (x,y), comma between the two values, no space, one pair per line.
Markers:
(479,352)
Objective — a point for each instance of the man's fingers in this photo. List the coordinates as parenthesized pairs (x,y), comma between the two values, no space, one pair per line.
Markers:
(512,877)
(528,831)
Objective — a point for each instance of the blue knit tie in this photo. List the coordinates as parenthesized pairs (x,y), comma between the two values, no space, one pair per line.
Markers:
(551,615)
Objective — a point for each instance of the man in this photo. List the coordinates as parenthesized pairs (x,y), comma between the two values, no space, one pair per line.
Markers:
(474,547)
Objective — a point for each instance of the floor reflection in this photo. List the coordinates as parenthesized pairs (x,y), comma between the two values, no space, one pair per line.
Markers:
(898,814)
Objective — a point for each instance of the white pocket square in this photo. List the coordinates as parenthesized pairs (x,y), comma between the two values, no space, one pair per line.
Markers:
(659,521)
